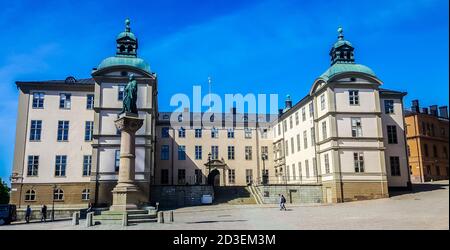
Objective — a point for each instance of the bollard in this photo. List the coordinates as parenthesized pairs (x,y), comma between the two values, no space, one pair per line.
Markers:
(125,219)
(89,218)
(160,217)
(171,216)
(76,218)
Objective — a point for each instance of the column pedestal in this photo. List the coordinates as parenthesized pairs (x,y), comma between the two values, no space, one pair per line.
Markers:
(126,195)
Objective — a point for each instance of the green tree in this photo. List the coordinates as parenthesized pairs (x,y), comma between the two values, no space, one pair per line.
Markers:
(4,192)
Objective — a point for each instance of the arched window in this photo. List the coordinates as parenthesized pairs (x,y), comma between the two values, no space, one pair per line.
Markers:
(30,195)
(122,48)
(85,194)
(130,48)
(58,195)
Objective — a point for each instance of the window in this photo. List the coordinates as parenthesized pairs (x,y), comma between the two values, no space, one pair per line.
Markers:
(58,194)
(425,149)
(358,159)
(284,126)
(445,152)
(249,176)
(305,139)
(120,91)
(324,130)
(392,134)
(313,137)
(231,176)
(87,162)
(438,170)
(292,145)
(64,101)
(198,133)
(322,102)
(38,100)
(291,122)
(181,176)
(435,152)
(198,177)
(198,152)
(288,174)
(356,127)
(327,163)
(60,165)
(264,133)
(248,133)
(63,130)
(230,133)
(165,152)
(408,150)
(395,166)
(307,168)
(85,194)
(300,170)
(265,152)
(164,176)
(297,119)
(214,133)
(248,153)
(279,129)
(298,143)
(33,165)
(181,152)
(88,130)
(315,166)
(180,118)
(230,152)
(214,152)
(353,97)
(428,170)
(116,160)
(181,133)
(287,147)
(30,195)
(424,128)
(35,130)
(311,110)
(294,174)
(303,114)
(432,130)
(165,132)
(388,106)
(89,101)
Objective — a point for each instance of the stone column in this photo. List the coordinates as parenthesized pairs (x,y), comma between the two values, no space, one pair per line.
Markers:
(126,194)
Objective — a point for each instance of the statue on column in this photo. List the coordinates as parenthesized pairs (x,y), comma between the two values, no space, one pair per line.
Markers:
(130,97)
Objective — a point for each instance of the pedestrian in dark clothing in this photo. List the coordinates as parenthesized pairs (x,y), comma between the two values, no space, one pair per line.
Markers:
(44,213)
(90,207)
(28,214)
(282,202)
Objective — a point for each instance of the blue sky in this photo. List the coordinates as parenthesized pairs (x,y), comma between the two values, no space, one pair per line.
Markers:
(253,46)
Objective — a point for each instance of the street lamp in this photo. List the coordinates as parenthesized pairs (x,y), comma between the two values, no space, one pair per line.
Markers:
(53,203)
(264,175)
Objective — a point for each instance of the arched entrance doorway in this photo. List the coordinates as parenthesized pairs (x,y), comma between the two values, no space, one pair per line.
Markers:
(214,178)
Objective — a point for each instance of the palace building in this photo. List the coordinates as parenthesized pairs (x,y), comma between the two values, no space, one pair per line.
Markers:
(345,139)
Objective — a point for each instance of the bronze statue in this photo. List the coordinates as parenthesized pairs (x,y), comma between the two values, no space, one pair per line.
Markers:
(130,97)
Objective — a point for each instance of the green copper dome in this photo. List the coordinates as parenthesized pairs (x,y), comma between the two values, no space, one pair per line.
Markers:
(124,61)
(339,68)
(126,34)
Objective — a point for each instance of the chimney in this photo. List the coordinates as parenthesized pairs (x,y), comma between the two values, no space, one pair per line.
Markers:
(434,110)
(443,112)
(425,111)
(288,102)
(415,106)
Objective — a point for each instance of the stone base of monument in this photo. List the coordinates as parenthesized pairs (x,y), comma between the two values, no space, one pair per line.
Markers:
(125,197)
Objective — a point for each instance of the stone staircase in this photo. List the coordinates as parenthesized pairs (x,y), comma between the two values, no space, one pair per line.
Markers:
(134,217)
(233,195)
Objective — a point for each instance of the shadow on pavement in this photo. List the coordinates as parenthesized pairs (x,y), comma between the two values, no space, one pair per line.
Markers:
(420,188)
(214,221)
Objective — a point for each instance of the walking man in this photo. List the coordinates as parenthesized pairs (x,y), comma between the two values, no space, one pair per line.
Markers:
(28,214)
(282,202)
(44,213)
